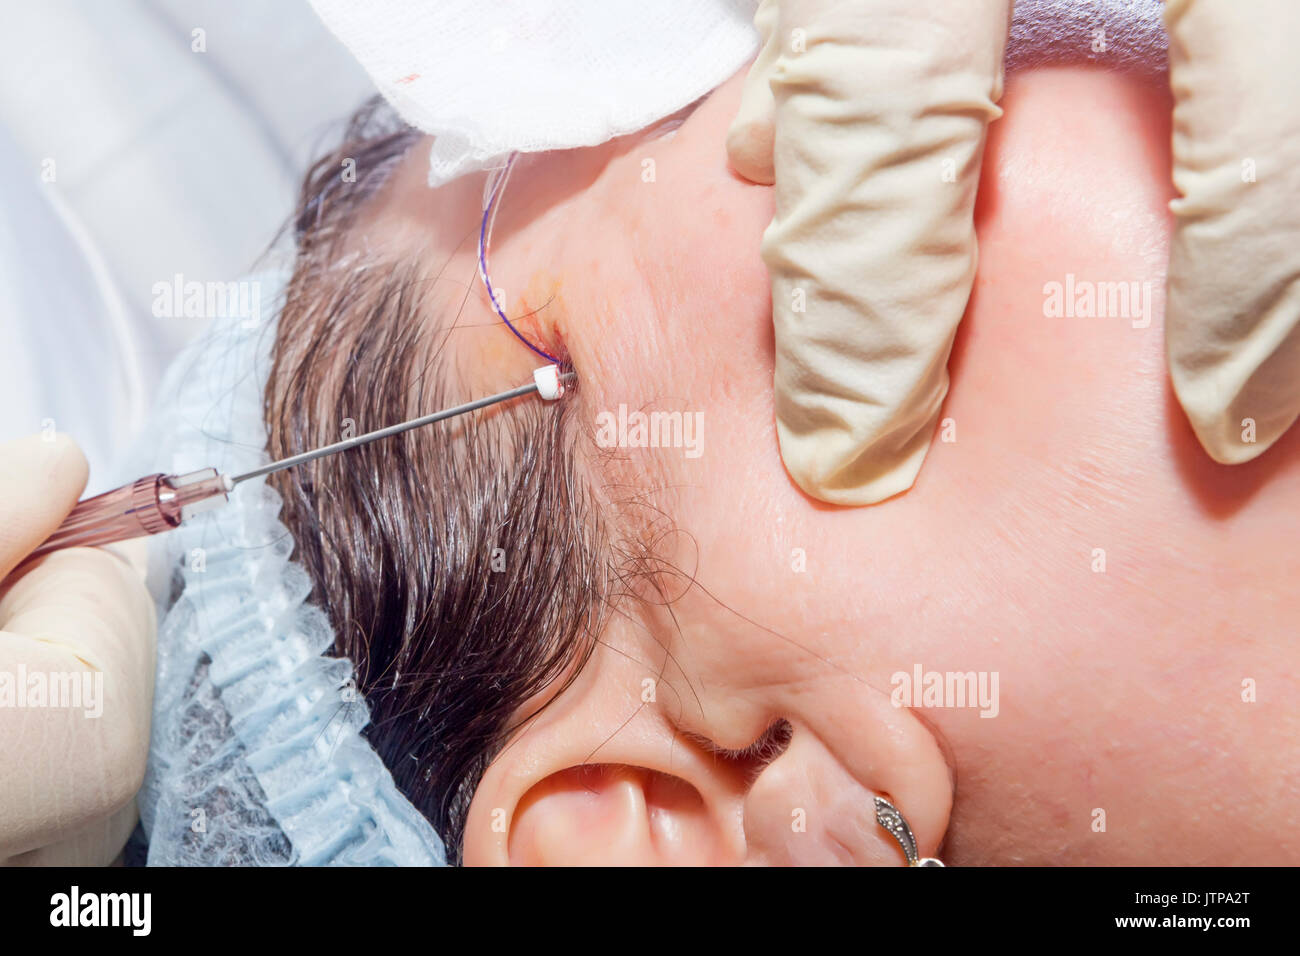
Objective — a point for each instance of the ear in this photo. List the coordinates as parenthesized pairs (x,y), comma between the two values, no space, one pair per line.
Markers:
(600,776)
(582,784)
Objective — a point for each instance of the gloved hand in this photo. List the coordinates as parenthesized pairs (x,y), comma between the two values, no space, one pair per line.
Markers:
(870,115)
(872,254)
(68,778)
(1232,323)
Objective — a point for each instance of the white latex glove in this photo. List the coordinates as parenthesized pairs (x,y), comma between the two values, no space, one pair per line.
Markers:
(67,780)
(870,116)
(849,109)
(1232,323)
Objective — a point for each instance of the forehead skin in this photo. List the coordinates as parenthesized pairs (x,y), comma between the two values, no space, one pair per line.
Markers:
(1119,689)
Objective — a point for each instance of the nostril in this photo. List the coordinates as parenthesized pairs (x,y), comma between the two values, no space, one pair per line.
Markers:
(805,807)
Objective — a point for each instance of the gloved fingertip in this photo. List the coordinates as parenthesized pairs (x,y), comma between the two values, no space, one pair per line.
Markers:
(1237,431)
(1243,401)
(41,478)
(47,456)
(749,149)
(65,455)
(1229,441)
(1225,451)
(836,467)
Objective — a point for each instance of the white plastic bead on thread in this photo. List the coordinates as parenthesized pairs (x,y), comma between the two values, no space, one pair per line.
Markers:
(548,382)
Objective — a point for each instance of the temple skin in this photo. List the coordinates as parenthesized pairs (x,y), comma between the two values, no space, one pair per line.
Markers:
(1067,532)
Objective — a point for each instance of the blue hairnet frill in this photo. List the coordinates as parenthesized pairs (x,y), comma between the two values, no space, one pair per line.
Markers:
(256,753)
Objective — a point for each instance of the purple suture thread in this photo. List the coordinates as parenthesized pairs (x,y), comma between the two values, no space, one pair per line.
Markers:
(484,237)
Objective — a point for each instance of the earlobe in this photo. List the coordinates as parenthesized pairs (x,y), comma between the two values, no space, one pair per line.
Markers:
(809,807)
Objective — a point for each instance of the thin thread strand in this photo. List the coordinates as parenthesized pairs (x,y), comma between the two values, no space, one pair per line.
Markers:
(485,237)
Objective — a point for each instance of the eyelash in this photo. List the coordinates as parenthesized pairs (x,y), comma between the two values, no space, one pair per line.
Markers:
(770,745)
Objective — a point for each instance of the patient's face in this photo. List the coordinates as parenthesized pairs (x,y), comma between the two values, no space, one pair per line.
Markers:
(1066,538)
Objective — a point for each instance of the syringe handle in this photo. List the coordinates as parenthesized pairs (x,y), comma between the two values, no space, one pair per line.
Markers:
(146,506)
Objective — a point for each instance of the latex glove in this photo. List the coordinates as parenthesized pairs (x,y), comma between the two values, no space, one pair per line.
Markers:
(870,116)
(1232,322)
(67,779)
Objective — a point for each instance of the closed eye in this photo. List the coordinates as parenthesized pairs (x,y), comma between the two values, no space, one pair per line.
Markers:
(769,745)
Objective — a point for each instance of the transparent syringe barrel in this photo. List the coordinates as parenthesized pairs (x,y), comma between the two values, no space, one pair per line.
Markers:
(146,506)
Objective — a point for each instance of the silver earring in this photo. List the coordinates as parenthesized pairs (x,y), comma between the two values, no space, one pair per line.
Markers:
(887,816)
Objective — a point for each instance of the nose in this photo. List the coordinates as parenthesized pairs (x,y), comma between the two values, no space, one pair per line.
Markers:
(805,809)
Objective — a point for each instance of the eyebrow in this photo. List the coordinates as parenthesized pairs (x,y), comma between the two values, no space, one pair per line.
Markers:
(1125,35)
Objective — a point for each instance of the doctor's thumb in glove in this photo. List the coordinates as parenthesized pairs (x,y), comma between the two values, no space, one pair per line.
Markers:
(77,641)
